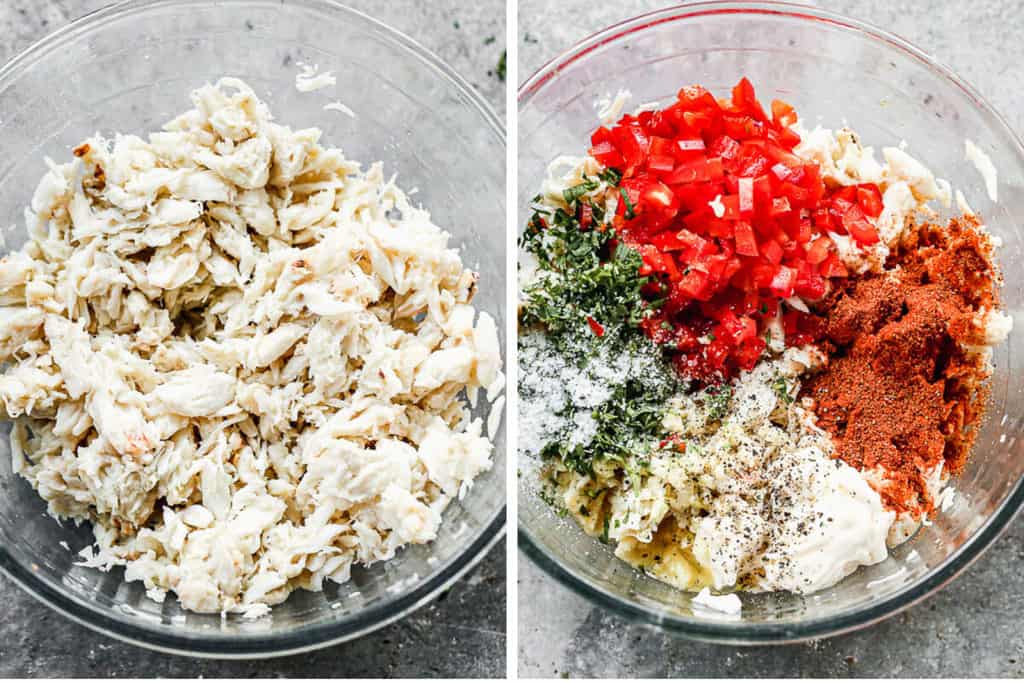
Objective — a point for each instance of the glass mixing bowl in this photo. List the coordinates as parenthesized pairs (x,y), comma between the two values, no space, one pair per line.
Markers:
(834,70)
(130,68)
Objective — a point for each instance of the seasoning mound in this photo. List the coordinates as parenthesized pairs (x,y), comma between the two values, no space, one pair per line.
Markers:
(906,386)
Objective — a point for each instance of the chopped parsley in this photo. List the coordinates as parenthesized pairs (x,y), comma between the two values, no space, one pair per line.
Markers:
(588,275)
(630,214)
(612,176)
(781,388)
(572,194)
(581,274)
(628,426)
(717,400)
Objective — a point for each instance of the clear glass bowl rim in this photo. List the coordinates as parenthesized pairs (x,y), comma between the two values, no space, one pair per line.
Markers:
(305,638)
(743,633)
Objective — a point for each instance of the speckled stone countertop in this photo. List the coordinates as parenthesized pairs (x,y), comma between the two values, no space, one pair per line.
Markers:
(460,634)
(970,629)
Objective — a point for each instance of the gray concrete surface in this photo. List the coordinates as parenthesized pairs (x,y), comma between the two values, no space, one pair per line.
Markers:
(972,628)
(463,633)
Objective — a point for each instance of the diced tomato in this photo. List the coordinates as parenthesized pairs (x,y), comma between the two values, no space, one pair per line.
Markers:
(743,97)
(859,227)
(607,154)
(746,243)
(809,284)
(668,241)
(784,282)
(749,352)
(586,215)
(697,170)
(725,148)
(690,145)
(870,199)
(730,207)
(728,220)
(772,251)
(694,284)
(595,327)
(661,163)
(659,195)
(833,267)
(780,205)
(746,196)
(818,250)
(783,114)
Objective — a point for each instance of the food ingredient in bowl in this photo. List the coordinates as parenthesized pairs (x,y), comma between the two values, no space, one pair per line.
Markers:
(239,355)
(726,604)
(310,79)
(816,343)
(985,167)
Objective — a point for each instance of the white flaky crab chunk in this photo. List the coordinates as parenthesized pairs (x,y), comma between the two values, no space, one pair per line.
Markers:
(241,357)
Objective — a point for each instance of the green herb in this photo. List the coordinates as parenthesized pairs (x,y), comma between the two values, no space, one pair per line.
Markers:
(604,531)
(764,308)
(717,400)
(630,214)
(612,176)
(628,428)
(501,66)
(546,496)
(781,388)
(581,276)
(489,40)
(572,194)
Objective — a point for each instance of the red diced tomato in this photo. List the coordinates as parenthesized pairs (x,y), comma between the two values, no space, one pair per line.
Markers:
(724,147)
(606,154)
(690,145)
(746,196)
(818,250)
(749,353)
(784,282)
(772,251)
(660,196)
(719,276)
(746,243)
(661,164)
(586,215)
(833,266)
(810,285)
(783,114)
(697,170)
(730,207)
(780,205)
(744,98)
(668,241)
(595,327)
(859,227)
(694,284)
(870,199)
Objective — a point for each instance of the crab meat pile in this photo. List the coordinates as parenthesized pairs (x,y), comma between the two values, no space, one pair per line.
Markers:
(240,356)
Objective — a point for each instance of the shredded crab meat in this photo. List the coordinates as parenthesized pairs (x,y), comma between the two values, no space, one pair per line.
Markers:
(240,356)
